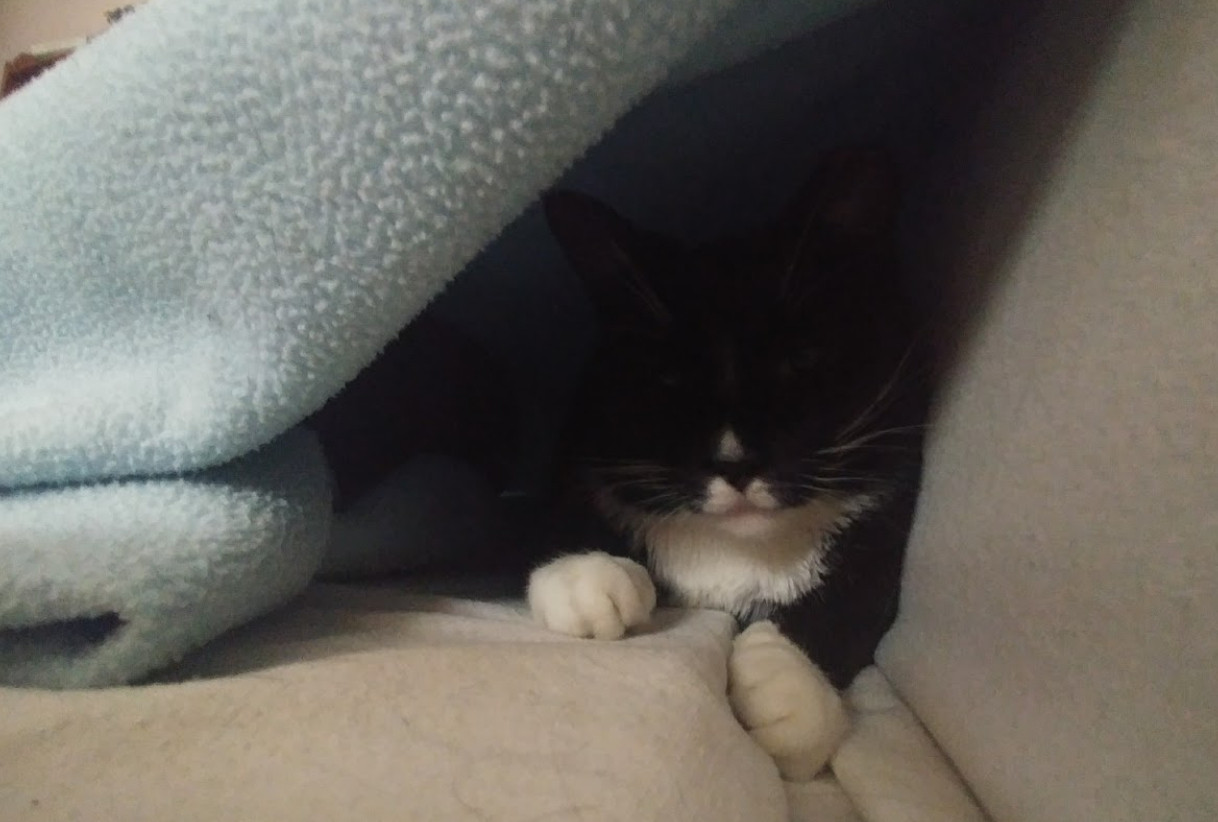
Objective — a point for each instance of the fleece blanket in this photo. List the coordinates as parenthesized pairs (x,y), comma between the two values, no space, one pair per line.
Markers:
(211,219)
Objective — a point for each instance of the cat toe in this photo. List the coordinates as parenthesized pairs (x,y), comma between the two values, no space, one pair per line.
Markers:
(785,702)
(591,595)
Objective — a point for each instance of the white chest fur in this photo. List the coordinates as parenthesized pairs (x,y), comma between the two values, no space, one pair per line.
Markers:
(711,562)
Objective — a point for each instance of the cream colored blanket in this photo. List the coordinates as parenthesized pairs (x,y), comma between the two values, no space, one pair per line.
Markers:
(372,704)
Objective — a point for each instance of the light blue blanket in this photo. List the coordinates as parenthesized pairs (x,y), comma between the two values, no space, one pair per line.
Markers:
(213,217)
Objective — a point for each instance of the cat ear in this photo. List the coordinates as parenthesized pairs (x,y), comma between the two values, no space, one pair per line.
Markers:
(609,254)
(848,210)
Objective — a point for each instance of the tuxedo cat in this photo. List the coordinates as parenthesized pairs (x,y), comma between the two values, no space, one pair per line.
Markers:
(749,430)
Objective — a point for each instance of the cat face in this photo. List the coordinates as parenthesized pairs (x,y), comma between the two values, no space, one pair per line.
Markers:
(746,378)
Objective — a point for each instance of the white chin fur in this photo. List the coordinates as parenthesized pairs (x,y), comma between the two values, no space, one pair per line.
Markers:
(748,525)
(750,558)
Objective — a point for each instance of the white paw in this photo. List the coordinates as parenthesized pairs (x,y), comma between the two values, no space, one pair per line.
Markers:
(785,702)
(591,595)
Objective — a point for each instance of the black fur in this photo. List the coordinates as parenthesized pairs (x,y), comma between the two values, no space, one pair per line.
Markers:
(800,339)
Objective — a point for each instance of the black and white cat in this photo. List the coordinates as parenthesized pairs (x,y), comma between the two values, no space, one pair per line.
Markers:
(749,429)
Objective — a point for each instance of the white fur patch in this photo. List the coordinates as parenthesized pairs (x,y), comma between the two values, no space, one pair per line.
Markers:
(743,561)
(730,449)
(758,493)
(722,498)
(785,701)
(732,562)
(591,595)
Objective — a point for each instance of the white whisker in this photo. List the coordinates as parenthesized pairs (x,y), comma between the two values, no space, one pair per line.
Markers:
(875,408)
(868,437)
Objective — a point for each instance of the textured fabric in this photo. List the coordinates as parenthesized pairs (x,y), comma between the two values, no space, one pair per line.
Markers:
(889,768)
(218,212)
(346,708)
(213,216)
(1058,627)
(210,219)
(100,583)
(373,704)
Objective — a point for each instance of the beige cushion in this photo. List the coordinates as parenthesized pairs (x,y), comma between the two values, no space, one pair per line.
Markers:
(371,704)
(348,708)
(1059,633)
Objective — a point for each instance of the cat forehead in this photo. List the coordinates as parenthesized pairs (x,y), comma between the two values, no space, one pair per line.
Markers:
(730,346)
(737,269)
(714,293)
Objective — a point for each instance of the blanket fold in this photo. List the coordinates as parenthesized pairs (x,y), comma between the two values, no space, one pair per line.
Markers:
(102,583)
(218,212)
(211,219)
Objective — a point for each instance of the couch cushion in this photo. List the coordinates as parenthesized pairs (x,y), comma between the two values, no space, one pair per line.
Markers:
(345,706)
(1057,634)
(370,703)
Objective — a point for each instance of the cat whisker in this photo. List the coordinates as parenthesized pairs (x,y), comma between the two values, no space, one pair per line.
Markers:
(832,485)
(843,468)
(625,468)
(637,486)
(860,441)
(817,490)
(630,476)
(614,461)
(811,485)
(613,476)
(660,494)
(827,483)
(832,480)
(883,398)
(676,509)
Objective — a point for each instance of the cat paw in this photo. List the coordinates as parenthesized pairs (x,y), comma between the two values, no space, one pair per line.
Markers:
(785,702)
(591,595)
